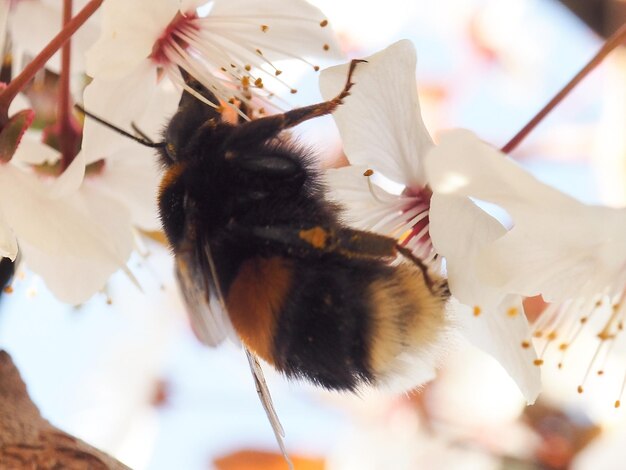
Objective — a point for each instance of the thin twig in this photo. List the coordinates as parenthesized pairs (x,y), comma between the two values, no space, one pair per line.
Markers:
(618,38)
(17,84)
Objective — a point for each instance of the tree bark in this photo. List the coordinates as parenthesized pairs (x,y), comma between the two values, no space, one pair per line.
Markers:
(27,441)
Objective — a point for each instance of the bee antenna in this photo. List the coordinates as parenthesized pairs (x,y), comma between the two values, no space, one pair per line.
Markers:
(144,141)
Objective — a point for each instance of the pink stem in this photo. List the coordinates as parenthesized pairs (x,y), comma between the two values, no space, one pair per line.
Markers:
(615,40)
(64,118)
(19,82)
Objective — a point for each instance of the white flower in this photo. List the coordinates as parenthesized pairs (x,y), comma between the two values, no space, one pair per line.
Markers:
(571,253)
(231,51)
(74,242)
(70,233)
(382,130)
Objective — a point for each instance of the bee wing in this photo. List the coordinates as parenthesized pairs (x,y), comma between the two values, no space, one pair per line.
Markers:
(268,405)
(208,318)
(255,368)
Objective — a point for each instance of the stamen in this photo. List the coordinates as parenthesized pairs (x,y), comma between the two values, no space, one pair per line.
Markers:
(621,393)
(588,371)
(199,39)
(368,173)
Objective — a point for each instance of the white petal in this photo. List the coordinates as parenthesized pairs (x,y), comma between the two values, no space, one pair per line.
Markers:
(380,122)
(70,180)
(31,151)
(558,247)
(464,165)
(293,28)
(187,6)
(501,336)
(161,106)
(129,31)
(75,244)
(131,177)
(119,102)
(362,208)
(8,242)
(459,231)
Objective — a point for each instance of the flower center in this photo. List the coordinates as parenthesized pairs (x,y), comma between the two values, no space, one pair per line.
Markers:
(420,222)
(172,37)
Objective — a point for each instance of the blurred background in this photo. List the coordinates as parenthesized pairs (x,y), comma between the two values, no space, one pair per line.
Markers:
(125,373)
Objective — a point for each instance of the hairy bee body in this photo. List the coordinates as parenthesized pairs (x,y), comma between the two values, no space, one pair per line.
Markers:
(247,218)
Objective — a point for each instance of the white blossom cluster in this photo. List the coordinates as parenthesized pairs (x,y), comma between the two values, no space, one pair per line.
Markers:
(570,253)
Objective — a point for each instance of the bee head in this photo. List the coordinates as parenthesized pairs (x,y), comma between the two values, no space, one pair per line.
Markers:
(191,115)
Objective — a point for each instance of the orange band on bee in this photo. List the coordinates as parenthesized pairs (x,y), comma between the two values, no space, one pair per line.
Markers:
(255,300)
(170,176)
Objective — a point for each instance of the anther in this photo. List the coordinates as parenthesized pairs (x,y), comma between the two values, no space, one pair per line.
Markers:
(538,362)
(264,28)
(580,389)
(293,91)
(326,47)
(324,23)
(278,72)
(526,344)
(477,310)
(512,312)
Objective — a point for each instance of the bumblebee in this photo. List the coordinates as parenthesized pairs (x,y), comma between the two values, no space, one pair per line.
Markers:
(260,250)
(263,256)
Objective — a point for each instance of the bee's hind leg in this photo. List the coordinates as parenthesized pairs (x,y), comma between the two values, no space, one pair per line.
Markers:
(267,127)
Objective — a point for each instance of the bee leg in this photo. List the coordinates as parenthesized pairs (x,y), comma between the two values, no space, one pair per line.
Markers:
(439,288)
(252,132)
(140,133)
